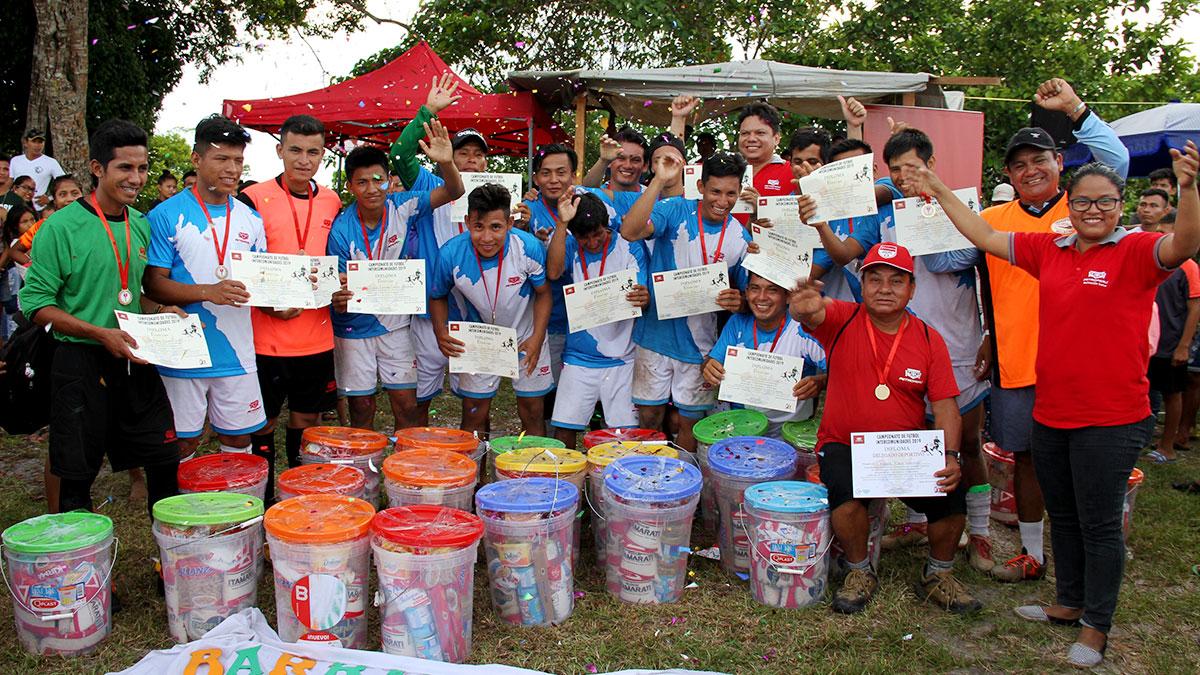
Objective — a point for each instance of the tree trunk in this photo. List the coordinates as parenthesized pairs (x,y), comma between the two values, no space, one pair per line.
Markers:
(58,95)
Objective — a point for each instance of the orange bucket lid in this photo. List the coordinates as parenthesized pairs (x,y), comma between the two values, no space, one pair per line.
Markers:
(341,442)
(319,519)
(813,473)
(439,438)
(311,479)
(430,467)
(1136,477)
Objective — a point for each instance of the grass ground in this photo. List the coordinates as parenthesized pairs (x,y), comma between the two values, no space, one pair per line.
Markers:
(717,626)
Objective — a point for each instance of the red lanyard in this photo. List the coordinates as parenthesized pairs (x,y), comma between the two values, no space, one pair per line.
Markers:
(603,258)
(301,239)
(782,325)
(224,245)
(499,277)
(382,235)
(553,212)
(887,366)
(704,246)
(122,268)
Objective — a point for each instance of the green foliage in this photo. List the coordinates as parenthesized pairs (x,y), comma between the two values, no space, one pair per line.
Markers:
(168,152)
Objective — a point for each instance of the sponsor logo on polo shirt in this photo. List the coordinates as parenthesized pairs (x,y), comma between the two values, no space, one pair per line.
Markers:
(911,375)
(393,239)
(1096,278)
(772,184)
(254,405)
(514,281)
(1062,226)
(544,370)
(244,236)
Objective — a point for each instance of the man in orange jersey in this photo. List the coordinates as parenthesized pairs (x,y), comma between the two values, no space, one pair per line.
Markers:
(294,347)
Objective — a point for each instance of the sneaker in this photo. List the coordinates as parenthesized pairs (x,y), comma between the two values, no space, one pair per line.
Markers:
(1021,568)
(979,552)
(945,591)
(856,591)
(906,534)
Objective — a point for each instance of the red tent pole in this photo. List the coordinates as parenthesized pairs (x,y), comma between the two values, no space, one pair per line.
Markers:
(529,137)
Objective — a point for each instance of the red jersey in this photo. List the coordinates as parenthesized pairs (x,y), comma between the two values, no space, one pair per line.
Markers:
(1092,317)
(921,369)
(772,180)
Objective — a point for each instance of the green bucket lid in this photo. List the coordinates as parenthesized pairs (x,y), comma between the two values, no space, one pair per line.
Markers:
(802,434)
(207,508)
(58,532)
(730,423)
(509,443)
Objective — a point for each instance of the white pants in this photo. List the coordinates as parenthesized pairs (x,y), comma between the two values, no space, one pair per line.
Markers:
(233,404)
(658,379)
(361,364)
(579,388)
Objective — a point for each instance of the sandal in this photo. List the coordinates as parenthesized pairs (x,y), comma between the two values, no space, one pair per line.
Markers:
(1159,458)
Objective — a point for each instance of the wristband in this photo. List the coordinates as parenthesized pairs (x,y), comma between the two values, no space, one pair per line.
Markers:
(955,454)
(1078,108)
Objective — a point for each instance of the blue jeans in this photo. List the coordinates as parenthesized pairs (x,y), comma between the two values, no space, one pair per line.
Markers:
(1083,474)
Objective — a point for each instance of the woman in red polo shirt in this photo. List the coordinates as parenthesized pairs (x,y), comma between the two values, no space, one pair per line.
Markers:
(1092,414)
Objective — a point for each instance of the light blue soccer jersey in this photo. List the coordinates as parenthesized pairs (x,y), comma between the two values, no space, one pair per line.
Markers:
(842,282)
(739,332)
(445,228)
(611,344)
(677,246)
(181,240)
(524,267)
(407,219)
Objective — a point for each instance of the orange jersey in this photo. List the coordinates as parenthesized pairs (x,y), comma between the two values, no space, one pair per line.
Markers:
(312,331)
(1014,293)
(26,239)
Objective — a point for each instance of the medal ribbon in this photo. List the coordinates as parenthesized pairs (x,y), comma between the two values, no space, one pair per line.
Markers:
(778,332)
(603,258)
(224,246)
(703,246)
(301,239)
(499,277)
(887,366)
(378,255)
(122,268)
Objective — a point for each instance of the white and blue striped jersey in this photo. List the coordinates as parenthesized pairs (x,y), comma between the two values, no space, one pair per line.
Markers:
(609,345)
(524,267)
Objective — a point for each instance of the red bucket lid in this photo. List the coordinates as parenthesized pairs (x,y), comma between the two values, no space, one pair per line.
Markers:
(813,473)
(221,471)
(594,438)
(428,526)
(996,452)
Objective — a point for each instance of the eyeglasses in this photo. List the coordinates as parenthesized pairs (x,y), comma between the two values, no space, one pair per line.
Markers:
(1105,204)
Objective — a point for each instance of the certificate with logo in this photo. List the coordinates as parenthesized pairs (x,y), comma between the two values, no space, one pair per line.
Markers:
(487,349)
(782,211)
(923,227)
(167,340)
(689,291)
(277,279)
(760,378)
(384,287)
(600,301)
(842,189)
(897,463)
(473,179)
(784,254)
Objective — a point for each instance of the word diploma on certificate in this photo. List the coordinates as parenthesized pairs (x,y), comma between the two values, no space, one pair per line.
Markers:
(923,227)
(487,349)
(690,291)
(600,301)
(384,287)
(897,463)
(784,254)
(474,179)
(167,340)
(783,211)
(760,379)
(691,185)
(284,281)
(843,189)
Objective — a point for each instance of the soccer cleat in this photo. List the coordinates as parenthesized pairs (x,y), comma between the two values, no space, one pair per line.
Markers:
(945,591)
(906,534)
(1020,568)
(979,552)
(856,591)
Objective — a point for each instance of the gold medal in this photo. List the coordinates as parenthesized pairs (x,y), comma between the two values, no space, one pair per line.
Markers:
(882,392)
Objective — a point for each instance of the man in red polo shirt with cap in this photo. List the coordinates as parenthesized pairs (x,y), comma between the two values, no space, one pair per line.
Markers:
(883,363)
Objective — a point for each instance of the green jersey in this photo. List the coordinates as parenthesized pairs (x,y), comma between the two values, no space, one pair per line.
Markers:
(74,270)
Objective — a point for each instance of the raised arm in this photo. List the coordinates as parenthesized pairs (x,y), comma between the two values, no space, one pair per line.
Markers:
(971,224)
(681,108)
(1185,240)
(556,249)
(440,150)
(403,153)
(636,225)
(1057,94)
(855,115)
(807,305)
(609,150)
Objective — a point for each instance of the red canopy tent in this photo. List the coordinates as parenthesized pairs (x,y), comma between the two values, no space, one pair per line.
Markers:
(377,105)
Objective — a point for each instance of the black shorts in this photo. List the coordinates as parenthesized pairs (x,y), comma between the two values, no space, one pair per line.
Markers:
(1166,377)
(837,473)
(306,383)
(102,405)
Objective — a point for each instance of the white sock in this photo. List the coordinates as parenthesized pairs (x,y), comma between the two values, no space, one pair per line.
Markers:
(240,451)
(979,507)
(1031,539)
(914,517)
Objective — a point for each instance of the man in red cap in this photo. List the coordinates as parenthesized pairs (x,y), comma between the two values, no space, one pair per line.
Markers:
(883,363)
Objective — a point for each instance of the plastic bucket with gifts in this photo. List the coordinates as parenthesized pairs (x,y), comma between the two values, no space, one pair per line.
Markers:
(442,438)
(877,520)
(425,559)
(210,548)
(735,464)
(321,553)
(504,444)
(1000,466)
(359,448)
(430,477)
(617,435)
(316,479)
(59,575)
(599,457)
(802,435)
(711,429)
(790,536)
(244,474)
(649,503)
(528,541)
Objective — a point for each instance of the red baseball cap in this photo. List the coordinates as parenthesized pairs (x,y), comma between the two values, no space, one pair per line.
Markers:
(887,253)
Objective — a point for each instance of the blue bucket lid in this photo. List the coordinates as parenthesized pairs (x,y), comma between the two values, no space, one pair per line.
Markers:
(648,478)
(527,495)
(753,457)
(788,496)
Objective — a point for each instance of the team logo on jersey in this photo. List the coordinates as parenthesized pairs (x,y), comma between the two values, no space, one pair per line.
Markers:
(911,375)
(393,239)
(254,405)
(772,184)
(169,436)
(544,370)
(142,252)
(718,257)
(244,236)
(1096,278)
(514,281)
(327,223)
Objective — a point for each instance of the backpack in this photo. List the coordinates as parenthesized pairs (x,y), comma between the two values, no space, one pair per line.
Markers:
(25,386)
